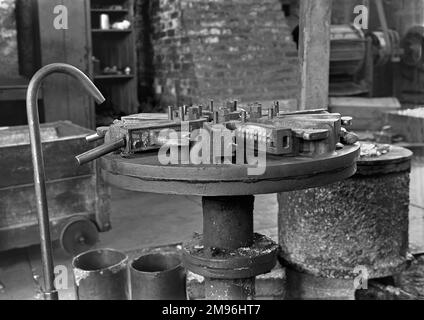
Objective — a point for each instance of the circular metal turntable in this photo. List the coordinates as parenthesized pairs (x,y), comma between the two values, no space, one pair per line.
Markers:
(144,173)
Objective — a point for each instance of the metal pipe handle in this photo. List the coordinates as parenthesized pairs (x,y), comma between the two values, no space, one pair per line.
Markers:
(100,151)
(100,134)
(50,292)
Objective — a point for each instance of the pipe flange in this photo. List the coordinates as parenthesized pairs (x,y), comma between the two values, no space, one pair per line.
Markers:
(241,263)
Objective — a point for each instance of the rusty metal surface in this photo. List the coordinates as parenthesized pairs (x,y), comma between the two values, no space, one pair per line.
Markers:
(362,221)
(145,173)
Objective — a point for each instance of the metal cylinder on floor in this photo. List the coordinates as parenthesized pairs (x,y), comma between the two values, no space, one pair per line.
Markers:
(351,228)
(229,254)
(101,275)
(158,276)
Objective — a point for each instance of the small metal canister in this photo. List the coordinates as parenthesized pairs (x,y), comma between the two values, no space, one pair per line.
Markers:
(158,276)
(101,275)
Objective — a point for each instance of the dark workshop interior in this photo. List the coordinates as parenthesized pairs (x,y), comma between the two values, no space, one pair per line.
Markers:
(211,150)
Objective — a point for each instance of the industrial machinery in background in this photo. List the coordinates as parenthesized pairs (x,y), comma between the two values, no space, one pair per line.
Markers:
(387,59)
(413,66)
(389,56)
(360,56)
(354,57)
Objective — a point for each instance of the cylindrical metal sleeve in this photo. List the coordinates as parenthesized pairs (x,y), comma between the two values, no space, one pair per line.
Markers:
(101,275)
(158,277)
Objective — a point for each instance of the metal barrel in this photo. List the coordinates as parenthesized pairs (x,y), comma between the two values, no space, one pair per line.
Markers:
(158,276)
(101,275)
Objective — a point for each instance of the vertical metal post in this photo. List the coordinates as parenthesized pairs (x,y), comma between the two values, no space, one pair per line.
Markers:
(228,225)
(314,53)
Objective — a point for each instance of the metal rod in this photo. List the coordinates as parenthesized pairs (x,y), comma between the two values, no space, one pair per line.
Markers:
(277,107)
(243,116)
(100,151)
(181,113)
(93,137)
(235,103)
(215,117)
(50,292)
(170,113)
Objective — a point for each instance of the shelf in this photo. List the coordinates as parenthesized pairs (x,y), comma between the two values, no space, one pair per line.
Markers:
(113,76)
(115,47)
(109,11)
(111,31)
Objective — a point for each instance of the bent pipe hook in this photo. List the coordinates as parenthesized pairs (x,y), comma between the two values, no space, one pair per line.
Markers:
(50,292)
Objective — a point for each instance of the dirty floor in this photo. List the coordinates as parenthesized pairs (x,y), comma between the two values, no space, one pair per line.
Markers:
(139,220)
(142,220)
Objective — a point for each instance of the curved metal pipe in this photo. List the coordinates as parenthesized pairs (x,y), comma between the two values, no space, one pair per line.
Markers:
(50,292)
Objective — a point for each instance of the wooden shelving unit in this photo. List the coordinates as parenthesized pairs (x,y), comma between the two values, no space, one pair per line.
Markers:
(113,76)
(111,31)
(114,48)
(117,11)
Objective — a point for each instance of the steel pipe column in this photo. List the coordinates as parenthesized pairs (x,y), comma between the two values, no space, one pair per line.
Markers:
(228,225)
(229,255)
(228,222)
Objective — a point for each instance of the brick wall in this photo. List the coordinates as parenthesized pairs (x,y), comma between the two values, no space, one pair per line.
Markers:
(220,49)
